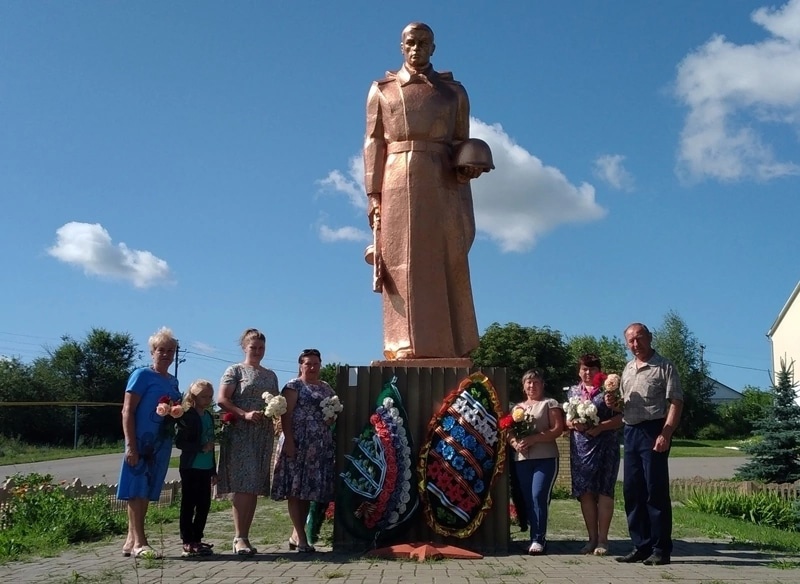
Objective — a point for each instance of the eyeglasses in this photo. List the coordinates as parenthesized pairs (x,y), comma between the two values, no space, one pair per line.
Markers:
(307,352)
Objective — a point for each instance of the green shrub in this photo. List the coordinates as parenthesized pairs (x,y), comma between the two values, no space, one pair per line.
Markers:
(740,417)
(561,492)
(762,508)
(42,515)
(712,432)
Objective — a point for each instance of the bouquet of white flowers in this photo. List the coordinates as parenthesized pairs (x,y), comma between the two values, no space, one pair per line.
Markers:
(580,411)
(276,405)
(331,406)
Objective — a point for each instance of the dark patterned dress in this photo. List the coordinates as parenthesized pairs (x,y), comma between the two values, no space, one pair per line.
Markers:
(310,474)
(594,461)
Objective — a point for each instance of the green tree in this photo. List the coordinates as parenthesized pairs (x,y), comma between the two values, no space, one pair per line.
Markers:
(739,418)
(328,374)
(776,457)
(519,348)
(36,424)
(95,369)
(677,343)
(610,350)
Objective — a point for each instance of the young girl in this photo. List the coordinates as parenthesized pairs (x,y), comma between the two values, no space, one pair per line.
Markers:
(198,466)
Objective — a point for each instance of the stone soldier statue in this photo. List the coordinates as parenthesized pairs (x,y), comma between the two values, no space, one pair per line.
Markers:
(418,161)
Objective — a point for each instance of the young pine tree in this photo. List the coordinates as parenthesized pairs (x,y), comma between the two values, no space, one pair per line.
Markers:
(776,457)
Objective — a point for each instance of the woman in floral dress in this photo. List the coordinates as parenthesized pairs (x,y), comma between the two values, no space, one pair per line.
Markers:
(305,468)
(594,458)
(245,454)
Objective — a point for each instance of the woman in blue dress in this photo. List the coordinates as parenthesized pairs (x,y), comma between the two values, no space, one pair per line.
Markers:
(594,458)
(148,438)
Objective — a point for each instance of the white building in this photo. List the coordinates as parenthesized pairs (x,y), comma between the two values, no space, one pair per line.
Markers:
(784,335)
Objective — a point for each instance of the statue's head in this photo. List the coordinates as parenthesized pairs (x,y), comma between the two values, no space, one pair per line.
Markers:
(416,44)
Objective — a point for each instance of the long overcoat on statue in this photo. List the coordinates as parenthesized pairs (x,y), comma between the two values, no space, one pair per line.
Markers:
(426,215)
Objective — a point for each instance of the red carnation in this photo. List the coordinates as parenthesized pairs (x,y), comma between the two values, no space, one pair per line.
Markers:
(598,380)
(164,399)
(506,422)
(227,417)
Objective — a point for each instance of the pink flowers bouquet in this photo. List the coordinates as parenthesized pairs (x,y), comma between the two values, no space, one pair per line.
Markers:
(611,386)
(167,407)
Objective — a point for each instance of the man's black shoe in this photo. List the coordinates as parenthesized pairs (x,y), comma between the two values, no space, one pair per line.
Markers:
(656,560)
(634,556)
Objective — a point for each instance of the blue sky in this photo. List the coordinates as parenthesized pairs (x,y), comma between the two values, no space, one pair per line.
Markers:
(196,165)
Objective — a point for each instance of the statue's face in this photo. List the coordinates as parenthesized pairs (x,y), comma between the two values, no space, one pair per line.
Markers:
(417,48)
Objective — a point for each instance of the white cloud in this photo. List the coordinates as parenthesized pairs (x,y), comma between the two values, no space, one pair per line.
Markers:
(330,235)
(352,185)
(515,204)
(733,92)
(610,169)
(204,348)
(782,22)
(89,246)
(522,199)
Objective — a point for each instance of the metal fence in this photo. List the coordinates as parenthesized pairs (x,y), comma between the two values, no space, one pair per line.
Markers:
(76,405)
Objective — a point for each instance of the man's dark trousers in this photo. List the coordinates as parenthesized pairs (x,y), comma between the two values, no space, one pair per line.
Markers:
(646,489)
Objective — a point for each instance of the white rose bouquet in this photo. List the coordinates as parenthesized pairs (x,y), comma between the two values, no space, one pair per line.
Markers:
(331,406)
(580,411)
(276,405)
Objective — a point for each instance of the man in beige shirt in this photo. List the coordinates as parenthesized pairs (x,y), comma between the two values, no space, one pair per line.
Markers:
(652,405)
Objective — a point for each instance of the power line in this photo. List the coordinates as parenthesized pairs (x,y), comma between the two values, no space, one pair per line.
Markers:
(739,366)
(30,336)
(212,358)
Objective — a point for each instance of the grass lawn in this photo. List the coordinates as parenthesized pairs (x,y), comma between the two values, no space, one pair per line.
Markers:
(13,451)
(705,448)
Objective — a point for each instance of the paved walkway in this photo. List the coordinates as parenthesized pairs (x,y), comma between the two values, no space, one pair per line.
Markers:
(696,561)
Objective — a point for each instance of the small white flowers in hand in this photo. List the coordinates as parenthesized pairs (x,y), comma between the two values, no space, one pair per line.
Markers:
(581,411)
(276,405)
(331,406)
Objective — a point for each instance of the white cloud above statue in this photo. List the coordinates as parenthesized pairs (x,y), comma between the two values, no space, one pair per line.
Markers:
(89,246)
(515,204)
(739,97)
